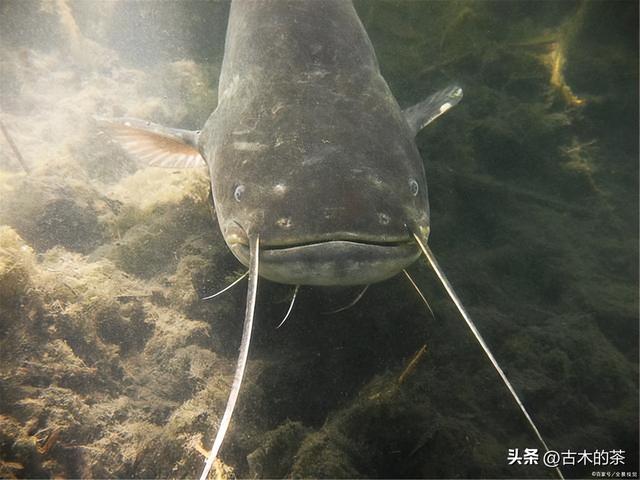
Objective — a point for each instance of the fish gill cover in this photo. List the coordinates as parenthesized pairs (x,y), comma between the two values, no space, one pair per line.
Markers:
(110,364)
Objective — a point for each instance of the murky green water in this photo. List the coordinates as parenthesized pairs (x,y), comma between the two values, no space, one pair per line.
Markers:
(110,364)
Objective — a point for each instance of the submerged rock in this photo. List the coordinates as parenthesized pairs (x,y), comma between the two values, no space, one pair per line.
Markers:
(53,210)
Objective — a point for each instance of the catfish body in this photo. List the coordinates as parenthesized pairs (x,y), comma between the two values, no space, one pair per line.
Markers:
(309,148)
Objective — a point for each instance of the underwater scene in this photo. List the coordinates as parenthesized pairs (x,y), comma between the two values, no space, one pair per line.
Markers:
(112,365)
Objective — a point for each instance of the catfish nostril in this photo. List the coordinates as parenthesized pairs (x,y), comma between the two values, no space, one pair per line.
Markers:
(383,218)
(280,189)
(284,222)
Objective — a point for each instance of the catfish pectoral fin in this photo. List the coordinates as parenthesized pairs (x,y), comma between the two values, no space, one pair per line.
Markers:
(254,249)
(422,114)
(154,144)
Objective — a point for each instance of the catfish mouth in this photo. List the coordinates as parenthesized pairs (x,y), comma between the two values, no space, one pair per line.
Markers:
(320,242)
(331,262)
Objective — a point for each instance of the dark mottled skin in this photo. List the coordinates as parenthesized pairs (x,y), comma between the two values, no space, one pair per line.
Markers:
(302,96)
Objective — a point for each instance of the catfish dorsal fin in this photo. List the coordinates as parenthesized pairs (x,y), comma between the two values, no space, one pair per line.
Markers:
(254,249)
(154,144)
(422,114)
(454,297)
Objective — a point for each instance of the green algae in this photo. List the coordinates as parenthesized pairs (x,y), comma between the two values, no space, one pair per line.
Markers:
(17,262)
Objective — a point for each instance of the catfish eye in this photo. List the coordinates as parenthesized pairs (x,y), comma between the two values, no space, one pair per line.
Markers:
(238,193)
(413,187)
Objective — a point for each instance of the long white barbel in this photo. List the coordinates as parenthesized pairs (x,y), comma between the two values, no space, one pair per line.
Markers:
(452,294)
(254,251)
